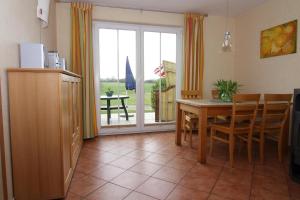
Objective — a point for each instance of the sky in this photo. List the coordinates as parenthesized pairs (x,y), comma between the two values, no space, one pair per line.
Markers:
(115,45)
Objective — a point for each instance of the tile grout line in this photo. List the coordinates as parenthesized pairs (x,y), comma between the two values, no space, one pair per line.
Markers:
(162,166)
(287,181)
(177,184)
(86,174)
(252,177)
(157,152)
(94,190)
(109,181)
(106,181)
(125,170)
(132,190)
(151,176)
(217,179)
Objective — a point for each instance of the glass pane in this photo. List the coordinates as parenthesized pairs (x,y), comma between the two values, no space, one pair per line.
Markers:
(168,47)
(127,83)
(168,90)
(108,48)
(115,46)
(108,54)
(152,77)
(160,77)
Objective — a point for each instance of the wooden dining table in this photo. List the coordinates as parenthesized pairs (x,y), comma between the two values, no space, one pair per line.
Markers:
(204,108)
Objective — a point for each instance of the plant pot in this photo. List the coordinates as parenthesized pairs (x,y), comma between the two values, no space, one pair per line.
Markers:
(215,94)
(109,93)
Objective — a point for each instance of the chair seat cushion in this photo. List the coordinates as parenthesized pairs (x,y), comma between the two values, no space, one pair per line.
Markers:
(223,118)
(192,116)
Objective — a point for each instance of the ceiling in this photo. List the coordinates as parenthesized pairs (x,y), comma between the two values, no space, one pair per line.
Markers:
(210,7)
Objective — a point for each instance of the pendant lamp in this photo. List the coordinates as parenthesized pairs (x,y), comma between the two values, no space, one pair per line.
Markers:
(226,45)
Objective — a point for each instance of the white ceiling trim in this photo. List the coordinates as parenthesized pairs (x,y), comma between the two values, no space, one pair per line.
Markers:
(210,7)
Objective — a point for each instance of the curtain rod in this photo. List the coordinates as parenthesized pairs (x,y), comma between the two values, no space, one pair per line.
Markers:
(96,4)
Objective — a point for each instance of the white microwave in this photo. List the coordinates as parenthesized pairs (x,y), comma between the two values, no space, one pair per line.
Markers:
(33,55)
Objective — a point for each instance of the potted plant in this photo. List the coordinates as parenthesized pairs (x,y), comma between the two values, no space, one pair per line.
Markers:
(109,92)
(227,88)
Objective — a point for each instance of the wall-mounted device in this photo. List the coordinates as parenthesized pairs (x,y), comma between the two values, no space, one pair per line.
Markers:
(43,11)
(33,55)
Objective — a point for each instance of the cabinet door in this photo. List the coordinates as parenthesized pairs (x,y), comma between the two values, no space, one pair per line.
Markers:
(80,112)
(76,106)
(66,95)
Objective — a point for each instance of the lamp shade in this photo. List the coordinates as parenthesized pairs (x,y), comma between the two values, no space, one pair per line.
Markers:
(226,46)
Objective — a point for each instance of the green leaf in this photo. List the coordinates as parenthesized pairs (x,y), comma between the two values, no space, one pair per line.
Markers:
(227,87)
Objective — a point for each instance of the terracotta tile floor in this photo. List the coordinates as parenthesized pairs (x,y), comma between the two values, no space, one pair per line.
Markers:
(151,166)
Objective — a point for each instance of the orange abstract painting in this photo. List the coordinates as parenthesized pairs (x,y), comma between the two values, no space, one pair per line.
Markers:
(279,40)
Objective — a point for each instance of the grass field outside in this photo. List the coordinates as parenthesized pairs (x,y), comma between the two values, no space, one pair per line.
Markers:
(119,88)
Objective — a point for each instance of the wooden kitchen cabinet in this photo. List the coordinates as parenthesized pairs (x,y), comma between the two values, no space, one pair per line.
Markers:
(46,131)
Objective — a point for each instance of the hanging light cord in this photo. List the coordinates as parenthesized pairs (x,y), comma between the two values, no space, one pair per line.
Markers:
(227,15)
(226,46)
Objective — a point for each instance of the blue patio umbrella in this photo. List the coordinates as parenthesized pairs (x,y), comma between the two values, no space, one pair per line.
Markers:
(129,78)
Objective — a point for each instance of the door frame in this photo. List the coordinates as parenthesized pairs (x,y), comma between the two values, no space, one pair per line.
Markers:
(140,29)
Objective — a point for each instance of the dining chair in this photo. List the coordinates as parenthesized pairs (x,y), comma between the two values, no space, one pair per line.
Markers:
(190,120)
(215,96)
(271,124)
(244,111)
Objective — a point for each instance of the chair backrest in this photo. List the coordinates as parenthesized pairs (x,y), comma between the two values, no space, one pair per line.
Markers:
(244,110)
(276,109)
(191,94)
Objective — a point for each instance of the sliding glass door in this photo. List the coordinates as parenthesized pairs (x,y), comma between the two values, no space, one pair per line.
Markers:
(137,76)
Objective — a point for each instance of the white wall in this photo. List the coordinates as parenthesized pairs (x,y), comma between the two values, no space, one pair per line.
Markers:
(18,23)
(217,64)
(276,74)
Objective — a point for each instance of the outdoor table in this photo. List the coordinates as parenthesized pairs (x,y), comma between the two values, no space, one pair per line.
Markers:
(108,106)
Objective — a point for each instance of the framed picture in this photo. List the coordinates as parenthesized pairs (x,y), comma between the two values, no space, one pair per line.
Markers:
(279,40)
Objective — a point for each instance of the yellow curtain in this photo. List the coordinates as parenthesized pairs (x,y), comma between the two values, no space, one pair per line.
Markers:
(193,52)
(82,62)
